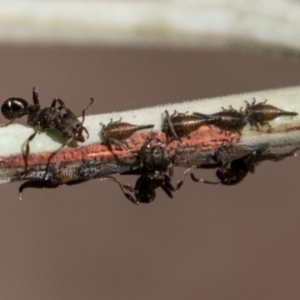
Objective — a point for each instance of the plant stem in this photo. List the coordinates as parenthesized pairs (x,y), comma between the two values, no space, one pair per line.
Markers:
(99,161)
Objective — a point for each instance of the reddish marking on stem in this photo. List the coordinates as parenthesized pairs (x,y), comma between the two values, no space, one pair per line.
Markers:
(204,139)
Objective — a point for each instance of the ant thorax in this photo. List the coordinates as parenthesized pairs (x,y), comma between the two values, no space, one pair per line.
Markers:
(45,118)
(71,127)
(155,158)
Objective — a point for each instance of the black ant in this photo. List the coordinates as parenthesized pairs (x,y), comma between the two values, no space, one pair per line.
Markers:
(227,119)
(261,113)
(239,168)
(44,119)
(39,119)
(155,170)
(155,163)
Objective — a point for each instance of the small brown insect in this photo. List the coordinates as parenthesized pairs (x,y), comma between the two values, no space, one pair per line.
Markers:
(118,131)
(261,113)
(180,124)
(227,119)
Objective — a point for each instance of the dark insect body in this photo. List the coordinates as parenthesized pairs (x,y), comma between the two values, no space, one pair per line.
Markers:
(44,119)
(239,168)
(52,177)
(261,113)
(228,119)
(116,132)
(155,170)
(13,108)
(70,127)
(146,184)
(39,119)
(44,179)
(180,124)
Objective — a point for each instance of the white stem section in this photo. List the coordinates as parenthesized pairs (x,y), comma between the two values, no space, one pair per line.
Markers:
(13,137)
(258,23)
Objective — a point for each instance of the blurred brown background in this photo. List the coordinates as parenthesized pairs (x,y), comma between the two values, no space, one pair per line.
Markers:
(209,242)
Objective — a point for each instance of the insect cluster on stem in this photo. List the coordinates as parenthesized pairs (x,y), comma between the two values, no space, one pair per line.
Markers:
(155,159)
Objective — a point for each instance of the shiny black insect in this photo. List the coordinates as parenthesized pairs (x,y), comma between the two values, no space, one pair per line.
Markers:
(155,170)
(227,119)
(118,131)
(180,124)
(39,119)
(13,108)
(239,168)
(261,113)
(44,119)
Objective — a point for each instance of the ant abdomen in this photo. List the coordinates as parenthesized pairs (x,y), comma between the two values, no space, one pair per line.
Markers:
(13,108)
(144,191)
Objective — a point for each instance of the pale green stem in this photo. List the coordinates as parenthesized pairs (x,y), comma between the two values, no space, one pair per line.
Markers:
(285,130)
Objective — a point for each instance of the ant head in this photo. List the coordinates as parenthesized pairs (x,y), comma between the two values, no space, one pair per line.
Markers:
(71,127)
(226,176)
(144,191)
(14,108)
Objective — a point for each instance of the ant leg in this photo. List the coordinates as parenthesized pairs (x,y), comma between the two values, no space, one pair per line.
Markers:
(55,100)
(170,125)
(83,111)
(202,180)
(86,131)
(35,184)
(35,97)
(171,171)
(180,182)
(28,148)
(266,124)
(167,187)
(83,117)
(57,152)
(123,187)
(4,125)
(62,105)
